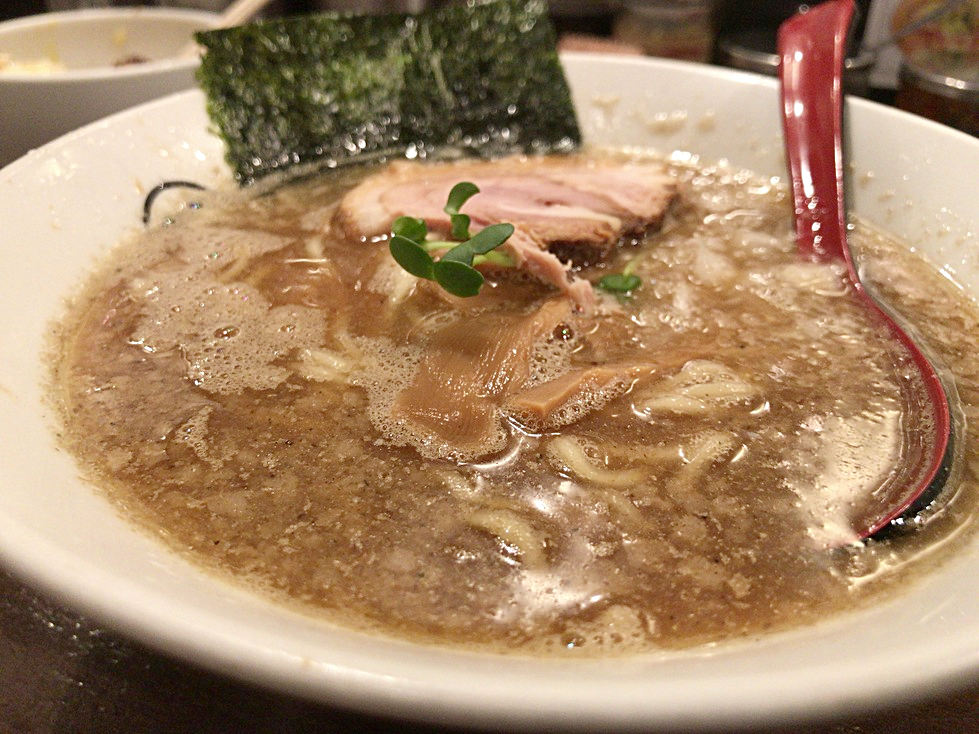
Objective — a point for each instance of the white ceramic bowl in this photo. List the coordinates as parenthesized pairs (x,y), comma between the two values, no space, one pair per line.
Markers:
(81,83)
(66,203)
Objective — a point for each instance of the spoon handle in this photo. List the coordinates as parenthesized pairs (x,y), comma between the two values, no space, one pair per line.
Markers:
(811,70)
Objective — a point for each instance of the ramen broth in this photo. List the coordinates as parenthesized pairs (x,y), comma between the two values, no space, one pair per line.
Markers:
(231,377)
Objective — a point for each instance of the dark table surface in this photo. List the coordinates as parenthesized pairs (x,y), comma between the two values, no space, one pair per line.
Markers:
(63,674)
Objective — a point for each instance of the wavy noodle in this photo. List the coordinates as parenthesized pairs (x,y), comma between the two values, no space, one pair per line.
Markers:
(313,247)
(814,277)
(393,281)
(644,453)
(515,532)
(759,242)
(710,266)
(699,388)
(676,404)
(721,391)
(570,455)
(455,482)
(329,365)
(620,506)
(710,447)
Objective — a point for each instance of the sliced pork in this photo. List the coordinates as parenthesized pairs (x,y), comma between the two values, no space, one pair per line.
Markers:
(469,369)
(567,210)
(564,400)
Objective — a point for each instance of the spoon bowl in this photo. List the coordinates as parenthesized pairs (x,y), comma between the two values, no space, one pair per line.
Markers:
(812,47)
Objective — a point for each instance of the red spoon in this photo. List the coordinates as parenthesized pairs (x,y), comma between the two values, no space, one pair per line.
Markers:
(812,47)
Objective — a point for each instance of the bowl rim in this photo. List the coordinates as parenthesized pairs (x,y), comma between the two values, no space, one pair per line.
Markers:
(89,16)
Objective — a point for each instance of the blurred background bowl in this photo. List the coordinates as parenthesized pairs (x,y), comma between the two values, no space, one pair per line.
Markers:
(59,71)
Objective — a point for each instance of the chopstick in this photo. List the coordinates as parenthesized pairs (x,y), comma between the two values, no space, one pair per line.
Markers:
(240,11)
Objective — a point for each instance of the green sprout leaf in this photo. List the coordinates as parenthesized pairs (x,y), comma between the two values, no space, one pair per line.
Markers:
(461,253)
(460,226)
(490,238)
(495,258)
(458,278)
(410,228)
(624,283)
(454,270)
(620,283)
(412,256)
(460,194)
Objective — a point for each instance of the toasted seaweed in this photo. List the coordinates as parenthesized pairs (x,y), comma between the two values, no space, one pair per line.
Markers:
(482,78)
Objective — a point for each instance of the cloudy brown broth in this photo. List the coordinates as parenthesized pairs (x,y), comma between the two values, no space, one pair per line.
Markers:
(228,379)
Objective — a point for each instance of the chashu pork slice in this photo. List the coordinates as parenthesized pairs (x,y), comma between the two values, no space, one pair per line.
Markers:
(567,210)
(452,406)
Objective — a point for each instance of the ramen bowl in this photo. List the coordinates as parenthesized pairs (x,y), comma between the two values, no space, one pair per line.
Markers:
(59,71)
(73,199)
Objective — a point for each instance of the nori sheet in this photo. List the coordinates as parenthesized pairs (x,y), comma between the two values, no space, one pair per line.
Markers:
(483,78)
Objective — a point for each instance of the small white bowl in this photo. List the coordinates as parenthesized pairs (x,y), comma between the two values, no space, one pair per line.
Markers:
(69,202)
(63,70)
